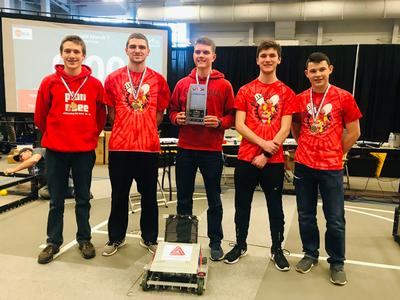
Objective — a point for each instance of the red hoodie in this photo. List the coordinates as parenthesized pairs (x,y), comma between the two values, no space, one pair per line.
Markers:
(220,100)
(70,126)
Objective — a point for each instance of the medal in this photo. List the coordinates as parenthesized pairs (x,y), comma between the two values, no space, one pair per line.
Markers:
(314,128)
(135,106)
(73,105)
(314,113)
(135,92)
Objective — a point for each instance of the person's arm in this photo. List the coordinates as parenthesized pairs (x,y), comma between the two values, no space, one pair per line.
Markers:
(283,132)
(159,117)
(101,114)
(30,162)
(42,106)
(296,125)
(176,109)
(248,134)
(227,119)
(350,135)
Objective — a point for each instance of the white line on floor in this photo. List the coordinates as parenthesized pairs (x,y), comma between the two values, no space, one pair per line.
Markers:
(368,214)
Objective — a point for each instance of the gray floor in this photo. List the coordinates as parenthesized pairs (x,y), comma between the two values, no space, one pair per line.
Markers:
(373,258)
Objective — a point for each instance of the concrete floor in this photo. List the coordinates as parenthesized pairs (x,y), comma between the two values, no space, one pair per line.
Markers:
(373,258)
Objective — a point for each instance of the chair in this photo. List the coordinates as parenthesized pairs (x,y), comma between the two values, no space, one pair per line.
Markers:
(346,170)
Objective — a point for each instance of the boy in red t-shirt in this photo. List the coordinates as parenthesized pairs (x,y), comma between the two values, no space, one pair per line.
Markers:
(70,113)
(263,118)
(326,125)
(200,145)
(136,97)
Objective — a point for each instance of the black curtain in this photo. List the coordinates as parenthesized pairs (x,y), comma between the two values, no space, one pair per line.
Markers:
(239,65)
(378,90)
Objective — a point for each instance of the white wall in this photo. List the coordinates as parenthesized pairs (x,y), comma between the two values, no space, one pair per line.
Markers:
(334,32)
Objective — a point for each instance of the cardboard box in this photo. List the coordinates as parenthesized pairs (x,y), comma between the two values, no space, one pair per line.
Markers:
(100,150)
(107,135)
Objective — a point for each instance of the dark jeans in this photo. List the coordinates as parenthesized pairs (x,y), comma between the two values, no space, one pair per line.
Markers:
(59,165)
(123,167)
(210,165)
(330,185)
(270,178)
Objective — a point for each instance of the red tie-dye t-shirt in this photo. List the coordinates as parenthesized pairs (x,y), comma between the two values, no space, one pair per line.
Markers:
(264,104)
(135,127)
(322,149)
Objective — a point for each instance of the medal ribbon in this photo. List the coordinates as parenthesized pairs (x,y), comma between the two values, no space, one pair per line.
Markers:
(208,77)
(135,93)
(315,115)
(72,94)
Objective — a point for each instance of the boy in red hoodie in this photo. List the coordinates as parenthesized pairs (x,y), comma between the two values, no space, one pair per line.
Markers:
(70,114)
(200,146)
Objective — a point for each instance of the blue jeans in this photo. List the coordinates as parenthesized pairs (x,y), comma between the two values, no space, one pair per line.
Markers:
(330,185)
(210,165)
(59,165)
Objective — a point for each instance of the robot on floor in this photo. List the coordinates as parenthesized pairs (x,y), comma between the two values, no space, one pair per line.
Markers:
(178,262)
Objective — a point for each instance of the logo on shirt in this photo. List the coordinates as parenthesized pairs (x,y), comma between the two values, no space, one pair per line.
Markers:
(75,104)
(142,102)
(266,109)
(322,120)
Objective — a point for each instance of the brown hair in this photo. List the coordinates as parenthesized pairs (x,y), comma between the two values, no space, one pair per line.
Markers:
(139,36)
(317,57)
(264,45)
(206,41)
(76,39)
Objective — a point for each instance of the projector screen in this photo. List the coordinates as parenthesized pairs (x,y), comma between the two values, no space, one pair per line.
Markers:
(31,49)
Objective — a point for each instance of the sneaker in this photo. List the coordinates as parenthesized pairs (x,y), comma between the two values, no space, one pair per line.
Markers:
(112,247)
(217,253)
(305,264)
(233,256)
(47,254)
(87,250)
(338,275)
(151,246)
(279,259)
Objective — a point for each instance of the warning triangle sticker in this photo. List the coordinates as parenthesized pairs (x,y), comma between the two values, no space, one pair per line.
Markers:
(177,251)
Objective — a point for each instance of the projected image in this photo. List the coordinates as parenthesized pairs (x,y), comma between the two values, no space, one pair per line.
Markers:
(31,49)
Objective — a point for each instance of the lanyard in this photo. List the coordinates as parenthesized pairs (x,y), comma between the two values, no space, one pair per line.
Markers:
(71,93)
(135,93)
(208,77)
(315,115)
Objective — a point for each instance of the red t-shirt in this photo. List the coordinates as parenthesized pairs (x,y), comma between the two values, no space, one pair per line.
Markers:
(135,125)
(322,150)
(264,104)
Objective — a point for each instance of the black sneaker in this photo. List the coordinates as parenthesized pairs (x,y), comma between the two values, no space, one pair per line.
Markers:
(338,275)
(279,259)
(305,264)
(87,250)
(233,256)
(112,247)
(217,253)
(47,254)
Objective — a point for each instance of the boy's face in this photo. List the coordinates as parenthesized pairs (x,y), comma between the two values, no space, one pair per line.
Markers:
(268,60)
(25,155)
(137,51)
(203,56)
(72,55)
(318,74)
